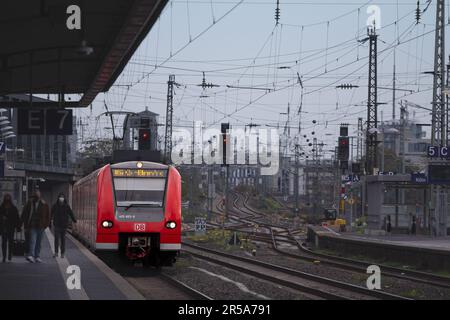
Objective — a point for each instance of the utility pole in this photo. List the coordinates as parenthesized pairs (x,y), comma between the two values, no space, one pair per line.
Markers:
(393,91)
(224,129)
(447,85)
(438,124)
(191,171)
(316,175)
(403,118)
(296,180)
(438,195)
(359,145)
(372,105)
(169,116)
(210,190)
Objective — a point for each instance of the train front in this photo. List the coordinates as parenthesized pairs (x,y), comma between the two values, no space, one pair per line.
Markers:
(147,199)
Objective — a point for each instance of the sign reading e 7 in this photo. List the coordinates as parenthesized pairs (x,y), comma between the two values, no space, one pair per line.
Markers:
(45,121)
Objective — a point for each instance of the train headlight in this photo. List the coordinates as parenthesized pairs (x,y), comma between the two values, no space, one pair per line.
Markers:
(171,225)
(107,224)
(139,164)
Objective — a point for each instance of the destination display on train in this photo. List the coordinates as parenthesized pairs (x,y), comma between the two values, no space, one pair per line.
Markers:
(139,173)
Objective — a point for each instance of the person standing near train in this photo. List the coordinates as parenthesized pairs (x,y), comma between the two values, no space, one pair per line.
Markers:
(36,218)
(9,223)
(60,215)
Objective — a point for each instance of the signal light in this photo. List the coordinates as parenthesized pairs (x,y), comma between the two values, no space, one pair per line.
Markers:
(343,148)
(144,139)
(224,127)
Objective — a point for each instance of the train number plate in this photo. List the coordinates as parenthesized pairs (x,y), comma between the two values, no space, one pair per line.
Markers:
(139,227)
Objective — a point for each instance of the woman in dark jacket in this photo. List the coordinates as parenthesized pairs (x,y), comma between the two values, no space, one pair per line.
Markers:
(9,222)
(60,214)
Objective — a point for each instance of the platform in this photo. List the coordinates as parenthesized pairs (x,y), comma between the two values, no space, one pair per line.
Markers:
(418,241)
(22,280)
(422,252)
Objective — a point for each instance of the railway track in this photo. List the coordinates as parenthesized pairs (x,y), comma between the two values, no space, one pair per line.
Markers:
(152,284)
(317,286)
(160,286)
(405,274)
(350,264)
(248,216)
(197,295)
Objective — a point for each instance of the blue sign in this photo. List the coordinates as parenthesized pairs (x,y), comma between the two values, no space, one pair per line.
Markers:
(419,178)
(439,174)
(438,152)
(351,178)
(387,173)
(2,147)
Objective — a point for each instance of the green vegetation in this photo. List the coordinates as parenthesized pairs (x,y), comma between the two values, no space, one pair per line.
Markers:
(413,293)
(360,225)
(220,238)
(265,203)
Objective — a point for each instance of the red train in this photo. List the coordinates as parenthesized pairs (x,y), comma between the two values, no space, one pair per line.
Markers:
(131,207)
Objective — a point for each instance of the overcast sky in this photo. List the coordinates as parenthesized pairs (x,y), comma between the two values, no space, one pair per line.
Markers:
(245,48)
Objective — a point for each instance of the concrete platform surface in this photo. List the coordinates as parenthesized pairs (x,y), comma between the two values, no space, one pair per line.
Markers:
(419,241)
(22,280)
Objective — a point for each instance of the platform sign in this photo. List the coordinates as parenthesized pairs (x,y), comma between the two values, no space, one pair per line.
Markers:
(45,121)
(2,147)
(59,121)
(351,178)
(200,225)
(439,174)
(438,152)
(419,178)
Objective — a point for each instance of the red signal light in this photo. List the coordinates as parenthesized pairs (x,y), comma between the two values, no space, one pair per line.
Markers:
(145,136)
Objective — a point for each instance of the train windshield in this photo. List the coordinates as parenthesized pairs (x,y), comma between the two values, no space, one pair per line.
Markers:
(139,192)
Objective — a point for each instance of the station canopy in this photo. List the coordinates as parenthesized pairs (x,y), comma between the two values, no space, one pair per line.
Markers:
(40,55)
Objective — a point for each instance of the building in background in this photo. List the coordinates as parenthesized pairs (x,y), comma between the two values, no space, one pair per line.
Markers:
(38,161)
(135,122)
(403,137)
(319,178)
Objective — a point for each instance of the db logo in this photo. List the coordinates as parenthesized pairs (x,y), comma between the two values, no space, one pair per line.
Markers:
(139,227)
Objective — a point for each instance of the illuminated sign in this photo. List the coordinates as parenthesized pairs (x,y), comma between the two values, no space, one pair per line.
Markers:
(139,173)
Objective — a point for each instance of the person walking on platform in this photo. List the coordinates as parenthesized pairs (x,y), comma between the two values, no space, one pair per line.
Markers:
(60,214)
(36,218)
(9,223)
(414,225)
(388,224)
